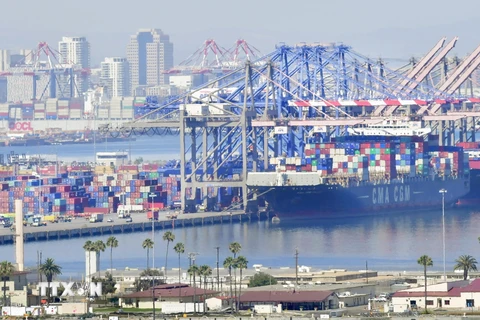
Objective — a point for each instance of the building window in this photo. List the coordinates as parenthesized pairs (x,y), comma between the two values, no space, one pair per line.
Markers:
(470,303)
(447,302)
(429,302)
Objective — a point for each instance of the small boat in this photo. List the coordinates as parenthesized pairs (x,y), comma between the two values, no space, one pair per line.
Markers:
(275,219)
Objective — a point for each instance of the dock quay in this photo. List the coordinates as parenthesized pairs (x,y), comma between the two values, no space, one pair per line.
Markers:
(80,227)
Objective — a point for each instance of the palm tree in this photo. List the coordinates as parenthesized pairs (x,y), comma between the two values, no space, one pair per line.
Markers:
(235,248)
(228,263)
(205,271)
(241,263)
(169,237)
(89,246)
(6,271)
(99,246)
(179,249)
(425,261)
(50,269)
(147,244)
(193,271)
(466,263)
(112,242)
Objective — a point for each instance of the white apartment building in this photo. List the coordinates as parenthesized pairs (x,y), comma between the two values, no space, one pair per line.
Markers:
(76,50)
(149,54)
(115,75)
(4,60)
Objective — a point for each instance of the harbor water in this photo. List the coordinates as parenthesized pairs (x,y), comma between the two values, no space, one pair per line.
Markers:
(387,243)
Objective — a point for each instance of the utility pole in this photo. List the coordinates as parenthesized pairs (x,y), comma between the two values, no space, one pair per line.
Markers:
(218,266)
(296,266)
(191,259)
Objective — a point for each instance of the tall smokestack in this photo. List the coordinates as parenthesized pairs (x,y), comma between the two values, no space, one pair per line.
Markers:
(19,255)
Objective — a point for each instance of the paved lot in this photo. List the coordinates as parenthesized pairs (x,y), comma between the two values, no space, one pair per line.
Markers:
(136,217)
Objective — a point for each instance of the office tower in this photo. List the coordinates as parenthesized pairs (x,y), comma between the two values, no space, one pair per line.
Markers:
(149,54)
(76,51)
(115,75)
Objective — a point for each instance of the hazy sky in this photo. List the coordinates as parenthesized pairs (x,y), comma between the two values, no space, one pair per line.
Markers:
(387,28)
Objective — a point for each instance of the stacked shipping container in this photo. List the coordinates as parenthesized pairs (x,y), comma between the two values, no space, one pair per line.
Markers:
(382,158)
(80,190)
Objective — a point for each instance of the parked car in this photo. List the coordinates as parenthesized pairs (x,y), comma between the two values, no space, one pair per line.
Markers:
(129,219)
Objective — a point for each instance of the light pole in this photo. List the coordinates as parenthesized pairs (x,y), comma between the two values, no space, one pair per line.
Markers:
(218,266)
(152,196)
(443,191)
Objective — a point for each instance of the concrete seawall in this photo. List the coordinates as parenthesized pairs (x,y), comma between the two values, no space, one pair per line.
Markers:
(78,230)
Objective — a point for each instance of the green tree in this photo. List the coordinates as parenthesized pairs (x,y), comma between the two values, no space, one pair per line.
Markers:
(204,271)
(138,161)
(99,246)
(241,263)
(108,284)
(425,261)
(193,271)
(466,263)
(179,249)
(6,271)
(261,279)
(147,244)
(169,237)
(112,242)
(89,247)
(142,284)
(235,248)
(229,263)
(50,269)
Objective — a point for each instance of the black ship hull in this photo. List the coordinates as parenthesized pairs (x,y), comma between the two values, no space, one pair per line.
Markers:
(472,199)
(337,201)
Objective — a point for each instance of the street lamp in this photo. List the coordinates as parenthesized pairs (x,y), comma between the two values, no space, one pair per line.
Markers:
(443,191)
(153,291)
(151,196)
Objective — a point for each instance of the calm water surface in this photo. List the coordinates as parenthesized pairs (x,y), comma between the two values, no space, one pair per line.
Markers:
(389,243)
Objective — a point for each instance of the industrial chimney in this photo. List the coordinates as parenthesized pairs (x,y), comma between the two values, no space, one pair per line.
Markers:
(19,255)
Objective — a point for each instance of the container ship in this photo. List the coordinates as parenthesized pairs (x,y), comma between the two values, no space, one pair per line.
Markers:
(380,168)
(473,151)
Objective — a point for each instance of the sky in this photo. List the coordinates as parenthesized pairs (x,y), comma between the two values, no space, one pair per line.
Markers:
(376,28)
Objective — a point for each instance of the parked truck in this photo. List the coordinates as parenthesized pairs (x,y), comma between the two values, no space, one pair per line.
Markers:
(38,222)
(125,210)
(96,217)
(153,215)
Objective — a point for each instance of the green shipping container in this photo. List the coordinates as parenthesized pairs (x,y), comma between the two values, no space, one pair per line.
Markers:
(387,151)
(314,163)
(372,163)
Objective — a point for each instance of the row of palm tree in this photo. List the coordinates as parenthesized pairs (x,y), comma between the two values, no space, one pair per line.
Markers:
(464,262)
(100,246)
(235,263)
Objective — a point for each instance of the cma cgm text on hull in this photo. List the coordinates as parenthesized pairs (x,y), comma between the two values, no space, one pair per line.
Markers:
(337,200)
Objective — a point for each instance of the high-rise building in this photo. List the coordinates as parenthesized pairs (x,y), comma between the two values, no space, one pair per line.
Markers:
(149,54)
(115,75)
(4,60)
(76,51)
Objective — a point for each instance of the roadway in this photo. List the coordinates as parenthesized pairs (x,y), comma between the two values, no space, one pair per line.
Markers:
(78,223)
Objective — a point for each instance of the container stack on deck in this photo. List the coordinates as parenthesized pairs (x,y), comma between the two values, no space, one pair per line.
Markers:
(375,157)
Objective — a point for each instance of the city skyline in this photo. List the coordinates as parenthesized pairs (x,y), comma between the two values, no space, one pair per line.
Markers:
(399,31)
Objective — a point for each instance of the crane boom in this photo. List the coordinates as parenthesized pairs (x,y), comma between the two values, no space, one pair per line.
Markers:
(458,71)
(424,73)
(420,65)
